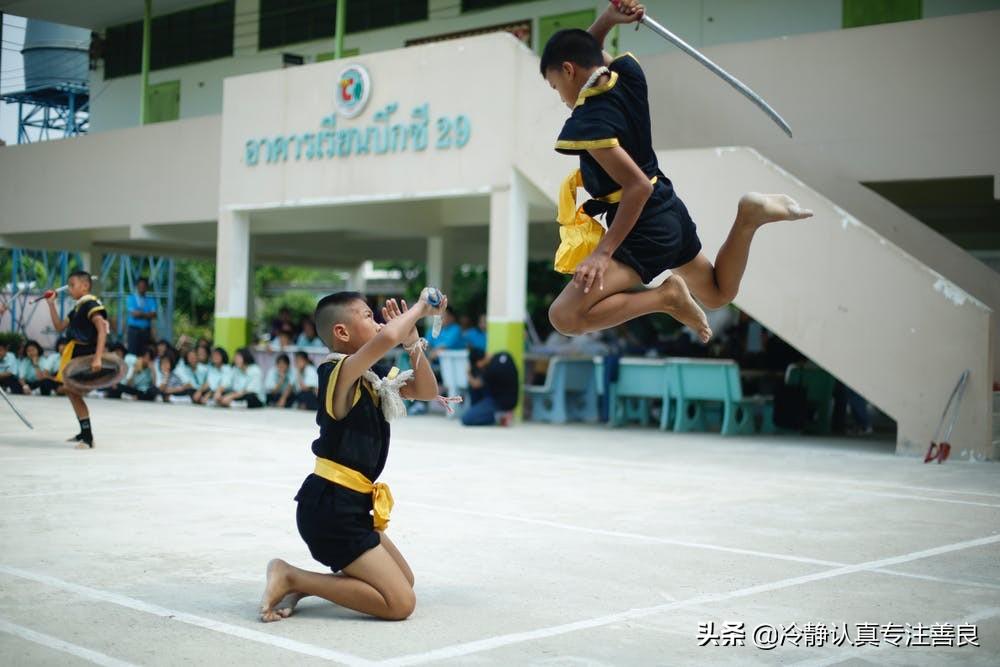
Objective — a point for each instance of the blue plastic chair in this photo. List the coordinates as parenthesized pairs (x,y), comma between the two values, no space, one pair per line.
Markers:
(569,392)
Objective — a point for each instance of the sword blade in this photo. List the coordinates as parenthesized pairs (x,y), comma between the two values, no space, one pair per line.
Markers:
(721,73)
(16,412)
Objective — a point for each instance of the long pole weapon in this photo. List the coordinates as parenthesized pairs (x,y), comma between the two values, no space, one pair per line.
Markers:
(647,21)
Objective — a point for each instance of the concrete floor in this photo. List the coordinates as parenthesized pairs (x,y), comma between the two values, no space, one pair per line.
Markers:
(532,545)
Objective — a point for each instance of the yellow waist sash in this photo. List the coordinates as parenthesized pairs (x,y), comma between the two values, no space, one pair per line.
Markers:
(332,471)
(579,234)
(67,355)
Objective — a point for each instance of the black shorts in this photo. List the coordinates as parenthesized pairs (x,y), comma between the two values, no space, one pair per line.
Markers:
(663,238)
(83,349)
(335,522)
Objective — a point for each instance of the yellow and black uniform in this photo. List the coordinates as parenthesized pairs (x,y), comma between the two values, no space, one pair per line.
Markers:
(82,331)
(616,113)
(335,521)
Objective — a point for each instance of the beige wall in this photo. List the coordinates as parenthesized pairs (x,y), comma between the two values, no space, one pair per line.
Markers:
(888,326)
(158,174)
(903,101)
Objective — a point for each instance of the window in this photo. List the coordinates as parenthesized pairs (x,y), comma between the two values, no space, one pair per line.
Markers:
(473,5)
(872,12)
(292,21)
(190,36)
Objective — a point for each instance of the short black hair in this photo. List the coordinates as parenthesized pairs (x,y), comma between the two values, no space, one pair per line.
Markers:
(34,344)
(82,275)
(331,310)
(476,354)
(571,45)
(283,357)
(302,354)
(222,353)
(247,355)
(142,279)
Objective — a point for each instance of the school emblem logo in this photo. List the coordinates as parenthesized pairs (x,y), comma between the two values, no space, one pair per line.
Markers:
(354,86)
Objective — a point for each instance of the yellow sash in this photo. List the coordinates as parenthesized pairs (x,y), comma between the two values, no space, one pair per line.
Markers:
(332,471)
(65,358)
(579,233)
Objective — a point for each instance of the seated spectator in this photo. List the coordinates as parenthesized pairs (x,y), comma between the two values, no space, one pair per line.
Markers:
(450,337)
(162,347)
(278,383)
(169,383)
(277,324)
(218,379)
(51,361)
(141,380)
(306,383)
(286,336)
(494,388)
(308,337)
(115,391)
(9,367)
(33,373)
(192,371)
(247,383)
(473,335)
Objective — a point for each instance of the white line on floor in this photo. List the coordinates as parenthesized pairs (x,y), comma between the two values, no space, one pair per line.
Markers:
(116,489)
(700,470)
(936,500)
(491,643)
(57,644)
(189,619)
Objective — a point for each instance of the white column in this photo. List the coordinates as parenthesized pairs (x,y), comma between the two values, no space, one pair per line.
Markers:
(232,273)
(359,278)
(435,262)
(508,254)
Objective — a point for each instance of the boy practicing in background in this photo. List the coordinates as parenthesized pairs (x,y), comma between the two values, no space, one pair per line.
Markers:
(648,227)
(88,329)
(336,501)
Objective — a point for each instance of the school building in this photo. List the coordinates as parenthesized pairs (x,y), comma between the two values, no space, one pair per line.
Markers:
(433,143)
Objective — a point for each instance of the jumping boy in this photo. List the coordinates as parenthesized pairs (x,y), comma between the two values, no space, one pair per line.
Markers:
(336,503)
(648,227)
(88,330)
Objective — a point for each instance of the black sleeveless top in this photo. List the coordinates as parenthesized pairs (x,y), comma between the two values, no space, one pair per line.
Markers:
(81,328)
(359,441)
(613,114)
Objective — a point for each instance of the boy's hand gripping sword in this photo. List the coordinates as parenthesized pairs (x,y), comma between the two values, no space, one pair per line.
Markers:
(721,73)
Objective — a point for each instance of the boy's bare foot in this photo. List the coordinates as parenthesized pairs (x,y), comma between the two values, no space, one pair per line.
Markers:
(275,590)
(287,606)
(678,303)
(757,209)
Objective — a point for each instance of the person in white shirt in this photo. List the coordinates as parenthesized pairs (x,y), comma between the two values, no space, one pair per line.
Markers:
(306,383)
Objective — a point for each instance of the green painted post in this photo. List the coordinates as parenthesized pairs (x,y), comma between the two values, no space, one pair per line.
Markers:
(338,32)
(147,21)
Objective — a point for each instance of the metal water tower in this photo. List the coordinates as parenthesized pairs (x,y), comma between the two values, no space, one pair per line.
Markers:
(56,94)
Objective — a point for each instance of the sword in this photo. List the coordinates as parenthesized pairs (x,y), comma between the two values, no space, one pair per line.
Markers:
(26,422)
(721,73)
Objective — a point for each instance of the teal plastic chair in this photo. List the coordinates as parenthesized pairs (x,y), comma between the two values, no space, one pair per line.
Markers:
(568,394)
(640,381)
(699,384)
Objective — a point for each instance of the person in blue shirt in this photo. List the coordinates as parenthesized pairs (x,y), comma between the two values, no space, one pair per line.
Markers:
(191,371)
(170,383)
(9,367)
(306,381)
(247,383)
(33,372)
(141,379)
(279,382)
(141,313)
(450,337)
(474,335)
(218,380)
(308,337)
